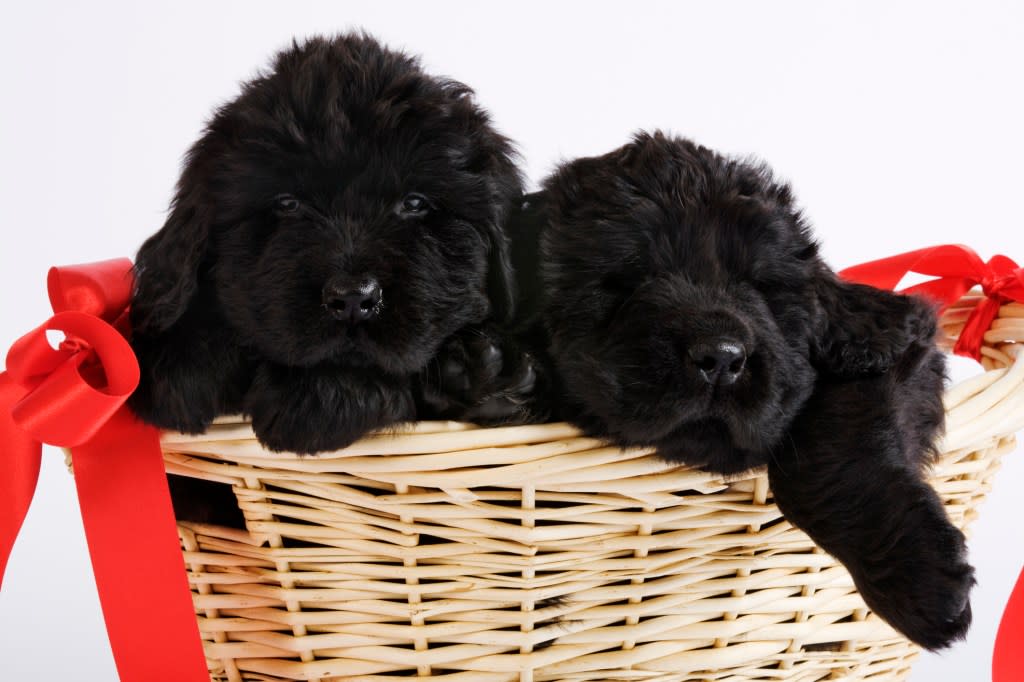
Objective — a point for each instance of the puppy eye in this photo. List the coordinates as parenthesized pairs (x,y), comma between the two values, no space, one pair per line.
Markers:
(286,203)
(414,205)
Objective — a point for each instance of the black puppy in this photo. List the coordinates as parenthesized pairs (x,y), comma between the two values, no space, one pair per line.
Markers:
(335,224)
(683,305)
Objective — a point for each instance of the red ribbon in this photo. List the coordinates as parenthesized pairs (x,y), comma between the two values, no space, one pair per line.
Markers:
(958,269)
(1008,657)
(73,396)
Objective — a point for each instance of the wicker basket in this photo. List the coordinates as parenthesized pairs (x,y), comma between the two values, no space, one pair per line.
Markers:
(532,553)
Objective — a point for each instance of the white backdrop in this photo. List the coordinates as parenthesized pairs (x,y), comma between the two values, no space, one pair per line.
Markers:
(900,125)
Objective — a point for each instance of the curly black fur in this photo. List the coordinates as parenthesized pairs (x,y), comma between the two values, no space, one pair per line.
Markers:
(343,165)
(660,250)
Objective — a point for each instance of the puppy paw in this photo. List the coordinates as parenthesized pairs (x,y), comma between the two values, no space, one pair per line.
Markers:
(177,399)
(922,587)
(476,377)
(290,426)
(187,376)
(165,410)
(321,409)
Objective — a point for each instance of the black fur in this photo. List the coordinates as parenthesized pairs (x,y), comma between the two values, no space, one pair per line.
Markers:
(303,182)
(852,476)
(653,252)
(480,375)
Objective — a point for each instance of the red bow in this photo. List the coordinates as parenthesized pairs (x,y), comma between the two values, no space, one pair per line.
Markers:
(957,270)
(74,397)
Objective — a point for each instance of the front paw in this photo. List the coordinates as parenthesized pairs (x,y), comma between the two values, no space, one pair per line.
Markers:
(922,587)
(187,377)
(296,426)
(307,411)
(168,412)
(173,399)
(477,376)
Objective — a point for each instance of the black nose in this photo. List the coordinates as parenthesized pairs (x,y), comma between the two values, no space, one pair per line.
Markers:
(719,363)
(352,303)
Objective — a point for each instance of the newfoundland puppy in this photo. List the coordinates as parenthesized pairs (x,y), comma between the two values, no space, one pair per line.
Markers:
(334,226)
(679,302)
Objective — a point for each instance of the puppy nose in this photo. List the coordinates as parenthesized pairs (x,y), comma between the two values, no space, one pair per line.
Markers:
(352,303)
(719,363)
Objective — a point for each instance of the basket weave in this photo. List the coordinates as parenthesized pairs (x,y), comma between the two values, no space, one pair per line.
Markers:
(531,553)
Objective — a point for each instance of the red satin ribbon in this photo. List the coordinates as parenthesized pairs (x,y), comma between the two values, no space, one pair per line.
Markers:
(957,270)
(74,397)
(1008,657)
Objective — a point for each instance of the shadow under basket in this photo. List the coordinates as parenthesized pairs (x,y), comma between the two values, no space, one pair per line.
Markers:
(531,554)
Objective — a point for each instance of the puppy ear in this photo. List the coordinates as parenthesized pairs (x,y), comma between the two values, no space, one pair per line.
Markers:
(501,285)
(167,266)
(496,163)
(864,330)
(491,157)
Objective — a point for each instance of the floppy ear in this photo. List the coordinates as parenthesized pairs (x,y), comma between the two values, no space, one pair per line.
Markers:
(501,285)
(491,157)
(864,329)
(506,187)
(168,265)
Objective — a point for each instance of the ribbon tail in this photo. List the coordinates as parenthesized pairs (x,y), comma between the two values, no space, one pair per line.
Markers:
(956,267)
(19,470)
(885,273)
(1008,658)
(136,555)
(973,334)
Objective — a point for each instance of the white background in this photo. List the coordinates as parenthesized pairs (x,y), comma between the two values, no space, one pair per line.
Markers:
(900,126)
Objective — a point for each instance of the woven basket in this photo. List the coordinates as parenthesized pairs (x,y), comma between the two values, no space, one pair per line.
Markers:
(531,553)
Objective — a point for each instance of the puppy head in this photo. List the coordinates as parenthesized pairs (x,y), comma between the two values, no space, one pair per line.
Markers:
(683,300)
(347,207)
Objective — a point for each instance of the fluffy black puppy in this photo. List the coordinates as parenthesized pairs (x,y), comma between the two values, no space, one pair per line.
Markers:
(335,224)
(683,305)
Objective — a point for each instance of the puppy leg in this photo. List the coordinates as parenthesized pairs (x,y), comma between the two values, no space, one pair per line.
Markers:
(189,375)
(851,478)
(479,375)
(322,408)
